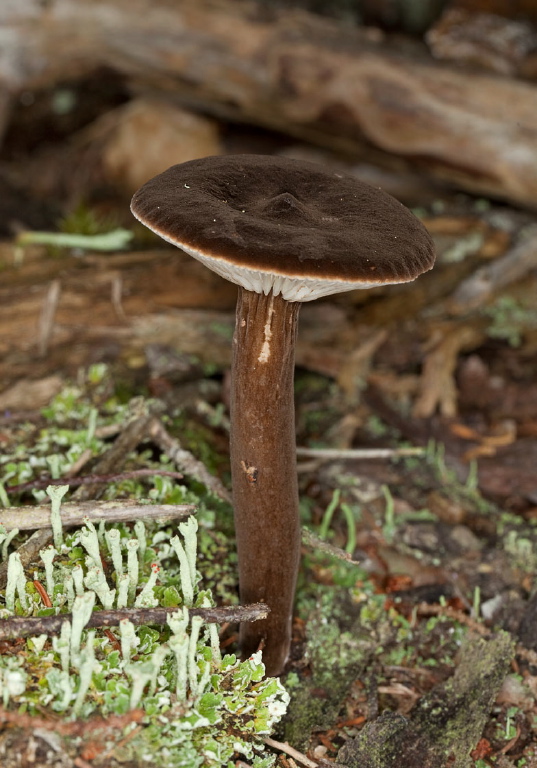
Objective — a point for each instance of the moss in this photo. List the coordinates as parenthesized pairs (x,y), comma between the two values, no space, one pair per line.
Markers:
(446,724)
(454,715)
(389,741)
(336,658)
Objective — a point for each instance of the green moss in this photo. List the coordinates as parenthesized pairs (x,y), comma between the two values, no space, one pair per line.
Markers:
(446,723)
(335,658)
(509,319)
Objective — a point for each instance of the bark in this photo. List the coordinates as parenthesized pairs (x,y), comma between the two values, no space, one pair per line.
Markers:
(263,468)
(29,626)
(446,724)
(166,300)
(293,72)
(75,513)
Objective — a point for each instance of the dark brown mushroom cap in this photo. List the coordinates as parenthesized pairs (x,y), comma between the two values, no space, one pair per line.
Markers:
(285,217)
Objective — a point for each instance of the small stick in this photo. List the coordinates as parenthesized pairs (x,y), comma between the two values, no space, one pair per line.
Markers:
(116,296)
(80,463)
(282,746)
(185,460)
(46,319)
(315,542)
(114,458)
(120,744)
(94,479)
(74,513)
(134,432)
(334,454)
(76,728)
(22,626)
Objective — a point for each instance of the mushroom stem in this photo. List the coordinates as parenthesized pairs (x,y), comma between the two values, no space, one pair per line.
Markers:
(263,468)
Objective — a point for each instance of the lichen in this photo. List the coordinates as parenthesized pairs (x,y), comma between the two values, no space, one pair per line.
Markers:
(199,708)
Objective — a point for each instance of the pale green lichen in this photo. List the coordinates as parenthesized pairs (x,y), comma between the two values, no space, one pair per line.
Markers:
(199,709)
(56,494)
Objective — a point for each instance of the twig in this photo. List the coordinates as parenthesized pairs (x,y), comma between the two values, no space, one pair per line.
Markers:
(108,430)
(111,461)
(75,512)
(315,542)
(424,609)
(76,728)
(116,294)
(87,479)
(477,289)
(294,753)
(335,454)
(79,762)
(23,626)
(100,759)
(78,465)
(185,460)
(134,432)
(46,319)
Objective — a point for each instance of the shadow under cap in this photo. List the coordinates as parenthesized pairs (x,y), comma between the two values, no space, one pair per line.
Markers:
(285,217)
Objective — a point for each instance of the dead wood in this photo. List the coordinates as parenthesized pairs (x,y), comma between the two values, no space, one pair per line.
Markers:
(516,264)
(30,626)
(293,72)
(169,299)
(446,724)
(186,460)
(134,432)
(437,384)
(75,513)
(77,727)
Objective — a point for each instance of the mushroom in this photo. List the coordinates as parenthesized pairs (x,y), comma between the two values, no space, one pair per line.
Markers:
(285,231)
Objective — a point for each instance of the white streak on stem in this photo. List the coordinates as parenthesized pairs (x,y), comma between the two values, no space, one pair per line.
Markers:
(265,349)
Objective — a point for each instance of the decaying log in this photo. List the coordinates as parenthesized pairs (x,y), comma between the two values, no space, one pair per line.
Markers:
(446,724)
(516,264)
(169,299)
(293,72)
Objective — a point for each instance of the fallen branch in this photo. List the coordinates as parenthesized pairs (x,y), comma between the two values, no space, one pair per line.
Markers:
(185,460)
(76,512)
(282,746)
(307,76)
(31,626)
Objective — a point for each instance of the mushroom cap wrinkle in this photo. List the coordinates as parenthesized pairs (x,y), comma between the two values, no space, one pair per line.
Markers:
(288,226)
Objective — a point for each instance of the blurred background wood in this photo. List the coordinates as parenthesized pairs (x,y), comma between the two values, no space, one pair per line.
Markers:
(337,86)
